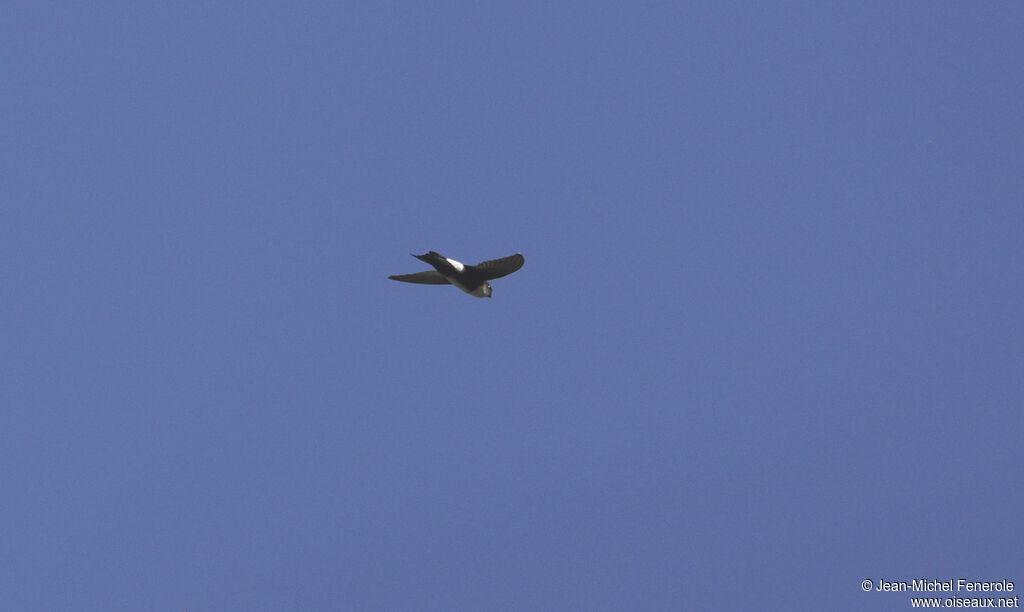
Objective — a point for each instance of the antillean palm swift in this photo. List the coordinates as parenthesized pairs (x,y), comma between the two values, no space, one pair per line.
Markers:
(471,279)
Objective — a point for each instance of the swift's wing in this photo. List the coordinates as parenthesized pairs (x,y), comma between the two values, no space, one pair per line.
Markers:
(496,268)
(430,277)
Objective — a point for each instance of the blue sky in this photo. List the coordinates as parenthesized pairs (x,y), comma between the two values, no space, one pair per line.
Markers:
(767,342)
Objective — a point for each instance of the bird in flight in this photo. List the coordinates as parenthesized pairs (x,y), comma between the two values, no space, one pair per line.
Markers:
(471,279)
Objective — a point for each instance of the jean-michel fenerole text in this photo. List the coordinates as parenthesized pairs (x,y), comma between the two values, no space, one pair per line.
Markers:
(953,586)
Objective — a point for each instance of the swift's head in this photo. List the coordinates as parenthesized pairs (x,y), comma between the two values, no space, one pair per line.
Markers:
(483,290)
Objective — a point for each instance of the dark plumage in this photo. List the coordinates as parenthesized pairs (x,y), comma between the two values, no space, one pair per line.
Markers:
(471,279)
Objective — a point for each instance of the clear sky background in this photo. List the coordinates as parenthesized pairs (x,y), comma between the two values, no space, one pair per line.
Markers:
(767,343)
